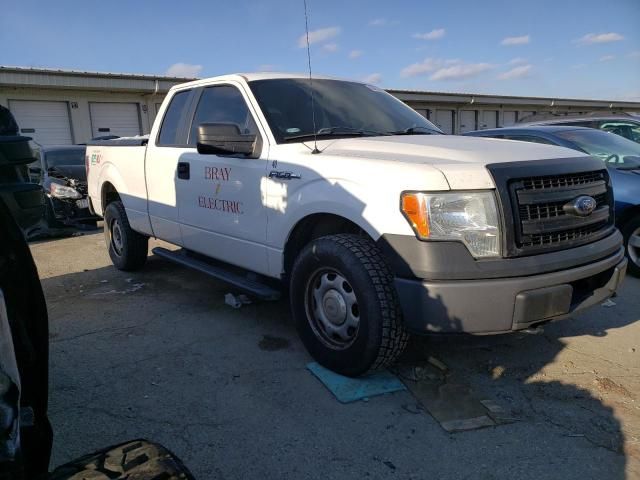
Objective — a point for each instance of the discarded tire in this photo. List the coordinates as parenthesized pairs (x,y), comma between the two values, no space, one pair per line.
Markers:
(135,460)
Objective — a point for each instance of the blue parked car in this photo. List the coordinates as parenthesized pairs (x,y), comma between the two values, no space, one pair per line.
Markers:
(621,156)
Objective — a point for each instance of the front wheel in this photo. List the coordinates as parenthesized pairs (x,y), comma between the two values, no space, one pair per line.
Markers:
(127,248)
(631,234)
(345,305)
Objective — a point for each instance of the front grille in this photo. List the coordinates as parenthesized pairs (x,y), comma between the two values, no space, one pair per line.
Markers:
(82,188)
(543,239)
(559,181)
(540,221)
(552,209)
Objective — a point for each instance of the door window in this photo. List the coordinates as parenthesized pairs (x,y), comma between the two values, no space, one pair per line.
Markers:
(170,130)
(624,129)
(222,104)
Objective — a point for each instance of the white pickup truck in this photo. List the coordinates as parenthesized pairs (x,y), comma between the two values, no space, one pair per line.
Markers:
(376,223)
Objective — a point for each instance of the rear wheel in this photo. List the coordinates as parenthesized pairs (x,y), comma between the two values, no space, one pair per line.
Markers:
(631,233)
(345,305)
(127,248)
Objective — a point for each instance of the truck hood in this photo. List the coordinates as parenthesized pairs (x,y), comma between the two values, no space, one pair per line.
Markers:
(462,160)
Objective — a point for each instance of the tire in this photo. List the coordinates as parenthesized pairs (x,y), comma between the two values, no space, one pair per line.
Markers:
(135,459)
(345,305)
(128,249)
(629,230)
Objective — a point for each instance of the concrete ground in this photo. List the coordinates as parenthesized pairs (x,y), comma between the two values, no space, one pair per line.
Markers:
(158,354)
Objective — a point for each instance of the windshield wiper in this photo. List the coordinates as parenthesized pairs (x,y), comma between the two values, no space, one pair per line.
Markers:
(628,167)
(417,130)
(338,131)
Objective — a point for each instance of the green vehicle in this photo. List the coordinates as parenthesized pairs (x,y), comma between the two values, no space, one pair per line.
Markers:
(24,199)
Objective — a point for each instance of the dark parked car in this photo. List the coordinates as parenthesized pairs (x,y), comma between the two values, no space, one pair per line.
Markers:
(627,126)
(61,171)
(25,200)
(25,431)
(621,156)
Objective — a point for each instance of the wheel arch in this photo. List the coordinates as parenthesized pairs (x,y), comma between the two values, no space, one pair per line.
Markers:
(314,226)
(108,194)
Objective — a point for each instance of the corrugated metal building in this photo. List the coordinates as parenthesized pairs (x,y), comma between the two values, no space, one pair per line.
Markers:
(63,107)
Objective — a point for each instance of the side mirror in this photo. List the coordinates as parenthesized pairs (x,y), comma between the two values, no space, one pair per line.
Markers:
(224,138)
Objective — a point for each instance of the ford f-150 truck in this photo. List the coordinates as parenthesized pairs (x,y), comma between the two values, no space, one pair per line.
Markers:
(375,223)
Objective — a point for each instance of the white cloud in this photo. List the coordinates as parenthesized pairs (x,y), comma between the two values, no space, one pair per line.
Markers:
(521,40)
(330,47)
(607,58)
(517,61)
(635,54)
(378,22)
(320,35)
(267,67)
(355,53)
(517,72)
(460,71)
(183,70)
(373,78)
(592,38)
(432,35)
(445,69)
(428,65)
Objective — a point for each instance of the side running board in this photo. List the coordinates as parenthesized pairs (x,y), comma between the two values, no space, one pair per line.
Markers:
(222,272)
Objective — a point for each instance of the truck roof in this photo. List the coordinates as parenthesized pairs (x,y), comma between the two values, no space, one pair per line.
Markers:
(249,77)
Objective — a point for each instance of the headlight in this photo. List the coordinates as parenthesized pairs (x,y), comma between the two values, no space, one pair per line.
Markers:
(62,191)
(471,218)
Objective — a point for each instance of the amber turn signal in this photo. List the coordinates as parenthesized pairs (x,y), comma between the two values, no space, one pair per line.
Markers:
(415,210)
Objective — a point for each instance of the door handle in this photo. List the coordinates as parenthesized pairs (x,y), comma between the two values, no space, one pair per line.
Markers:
(284,175)
(184,172)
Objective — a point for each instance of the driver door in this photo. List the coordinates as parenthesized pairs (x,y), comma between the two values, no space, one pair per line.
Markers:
(221,213)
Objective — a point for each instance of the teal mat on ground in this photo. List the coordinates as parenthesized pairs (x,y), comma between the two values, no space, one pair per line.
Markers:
(347,389)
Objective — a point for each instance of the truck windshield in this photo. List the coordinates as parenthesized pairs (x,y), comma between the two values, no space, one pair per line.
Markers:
(341,109)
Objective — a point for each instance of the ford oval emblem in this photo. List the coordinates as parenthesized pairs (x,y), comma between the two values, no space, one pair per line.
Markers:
(581,206)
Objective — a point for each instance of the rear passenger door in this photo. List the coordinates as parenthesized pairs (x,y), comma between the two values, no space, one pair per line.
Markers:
(221,210)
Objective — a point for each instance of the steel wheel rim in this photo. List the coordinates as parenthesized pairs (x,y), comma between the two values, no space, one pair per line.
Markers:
(633,246)
(116,237)
(332,308)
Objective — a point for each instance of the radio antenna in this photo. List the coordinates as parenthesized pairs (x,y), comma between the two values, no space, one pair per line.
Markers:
(313,108)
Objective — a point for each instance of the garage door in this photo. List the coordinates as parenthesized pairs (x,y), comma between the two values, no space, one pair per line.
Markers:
(467,120)
(508,118)
(46,122)
(524,114)
(120,119)
(489,119)
(444,120)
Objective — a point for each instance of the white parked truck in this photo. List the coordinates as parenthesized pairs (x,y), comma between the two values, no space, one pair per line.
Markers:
(375,223)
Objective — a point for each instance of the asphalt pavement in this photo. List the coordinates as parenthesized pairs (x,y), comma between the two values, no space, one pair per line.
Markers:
(158,354)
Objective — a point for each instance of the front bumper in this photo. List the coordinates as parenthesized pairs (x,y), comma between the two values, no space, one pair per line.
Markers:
(68,212)
(512,302)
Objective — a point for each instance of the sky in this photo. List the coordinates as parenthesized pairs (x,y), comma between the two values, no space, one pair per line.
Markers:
(554,48)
